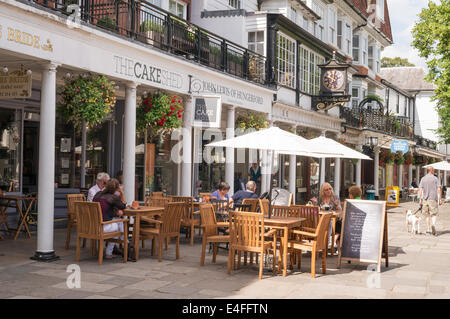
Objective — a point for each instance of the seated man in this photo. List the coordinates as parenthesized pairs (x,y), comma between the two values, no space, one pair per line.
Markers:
(239,196)
(102,178)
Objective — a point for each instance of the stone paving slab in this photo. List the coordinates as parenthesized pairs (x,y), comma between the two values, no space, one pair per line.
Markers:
(419,268)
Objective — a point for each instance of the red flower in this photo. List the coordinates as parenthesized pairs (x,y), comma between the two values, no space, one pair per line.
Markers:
(171,112)
(172,108)
(179,115)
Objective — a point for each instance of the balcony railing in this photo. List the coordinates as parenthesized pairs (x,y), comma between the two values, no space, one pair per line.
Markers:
(149,24)
(421,141)
(370,119)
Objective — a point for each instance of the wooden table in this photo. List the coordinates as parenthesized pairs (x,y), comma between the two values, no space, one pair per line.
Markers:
(26,202)
(137,213)
(285,224)
(334,217)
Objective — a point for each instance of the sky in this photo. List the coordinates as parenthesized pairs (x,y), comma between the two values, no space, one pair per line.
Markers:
(403,15)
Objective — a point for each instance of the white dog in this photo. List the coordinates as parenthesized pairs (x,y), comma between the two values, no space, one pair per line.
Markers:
(414,221)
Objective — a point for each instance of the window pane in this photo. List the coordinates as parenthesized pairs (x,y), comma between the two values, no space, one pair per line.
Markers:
(260,36)
(251,37)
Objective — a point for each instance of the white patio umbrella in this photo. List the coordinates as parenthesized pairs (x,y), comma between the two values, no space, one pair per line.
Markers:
(275,140)
(332,146)
(444,166)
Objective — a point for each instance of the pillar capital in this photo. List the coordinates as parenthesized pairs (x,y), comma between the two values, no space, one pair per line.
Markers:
(131,85)
(50,66)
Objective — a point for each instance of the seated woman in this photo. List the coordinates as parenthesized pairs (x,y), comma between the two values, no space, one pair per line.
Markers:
(111,199)
(222,192)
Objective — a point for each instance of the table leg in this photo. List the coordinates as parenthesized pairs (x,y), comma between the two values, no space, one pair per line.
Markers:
(285,245)
(4,217)
(23,221)
(333,234)
(136,230)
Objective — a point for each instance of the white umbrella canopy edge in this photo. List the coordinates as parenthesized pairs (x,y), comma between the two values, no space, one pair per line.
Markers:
(443,165)
(333,146)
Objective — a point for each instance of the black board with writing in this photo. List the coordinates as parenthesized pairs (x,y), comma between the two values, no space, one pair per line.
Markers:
(363,236)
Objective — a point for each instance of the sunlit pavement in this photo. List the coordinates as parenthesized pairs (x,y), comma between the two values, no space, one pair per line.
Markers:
(419,267)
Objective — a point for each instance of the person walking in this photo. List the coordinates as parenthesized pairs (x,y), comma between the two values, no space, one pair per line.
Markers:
(429,195)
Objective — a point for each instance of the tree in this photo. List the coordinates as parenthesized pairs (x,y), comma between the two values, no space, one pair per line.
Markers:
(432,38)
(394,62)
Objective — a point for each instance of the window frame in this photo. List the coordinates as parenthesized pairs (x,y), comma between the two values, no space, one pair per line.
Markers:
(178,3)
(309,70)
(256,42)
(236,4)
(284,48)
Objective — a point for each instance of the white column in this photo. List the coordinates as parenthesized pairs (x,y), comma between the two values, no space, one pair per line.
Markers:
(376,167)
(418,174)
(293,170)
(129,143)
(337,176)
(46,183)
(358,169)
(266,167)
(410,173)
(186,166)
(322,167)
(83,155)
(445,179)
(229,152)
(400,176)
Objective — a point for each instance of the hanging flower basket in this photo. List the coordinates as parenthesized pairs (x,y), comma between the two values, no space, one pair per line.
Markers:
(159,113)
(386,157)
(409,159)
(90,98)
(398,158)
(249,121)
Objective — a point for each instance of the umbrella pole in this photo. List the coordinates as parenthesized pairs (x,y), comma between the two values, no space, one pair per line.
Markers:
(271,184)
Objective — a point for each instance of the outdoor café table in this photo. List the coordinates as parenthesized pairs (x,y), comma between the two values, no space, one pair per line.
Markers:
(137,213)
(334,217)
(21,201)
(285,224)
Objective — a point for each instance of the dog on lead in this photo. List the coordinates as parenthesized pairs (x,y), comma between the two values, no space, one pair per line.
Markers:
(413,219)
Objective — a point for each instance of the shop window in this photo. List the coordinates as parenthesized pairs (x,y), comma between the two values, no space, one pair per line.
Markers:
(10,150)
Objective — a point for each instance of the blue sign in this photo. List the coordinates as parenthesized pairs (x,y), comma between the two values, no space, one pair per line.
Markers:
(401,146)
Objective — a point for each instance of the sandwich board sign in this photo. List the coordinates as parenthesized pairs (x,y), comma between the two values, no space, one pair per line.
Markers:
(364,235)
(392,196)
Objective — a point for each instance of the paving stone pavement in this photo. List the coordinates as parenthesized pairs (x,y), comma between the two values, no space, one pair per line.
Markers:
(419,267)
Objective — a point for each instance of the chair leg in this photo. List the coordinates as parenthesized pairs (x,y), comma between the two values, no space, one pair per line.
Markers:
(202,258)
(153,246)
(230,255)
(214,252)
(192,235)
(313,264)
(125,249)
(100,251)
(261,263)
(178,247)
(69,229)
(239,260)
(324,261)
(84,242)
(143,244)
(245,258)
(77,258)
(299,265)
(274,260)
(167,242)
(160,248)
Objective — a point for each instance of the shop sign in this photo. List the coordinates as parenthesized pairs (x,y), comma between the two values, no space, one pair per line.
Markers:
(207,111)
(209,87)
(324,103)
(22,37)
(399,146)
(15,85)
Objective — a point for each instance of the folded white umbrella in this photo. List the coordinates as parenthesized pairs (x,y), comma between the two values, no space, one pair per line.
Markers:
(278,140)
(332,146)
(444,166)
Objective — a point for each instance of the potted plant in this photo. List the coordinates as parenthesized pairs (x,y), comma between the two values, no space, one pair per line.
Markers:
(399,158)
(408,159)
(87,98)
(151,32)
(107,23)
(386,157)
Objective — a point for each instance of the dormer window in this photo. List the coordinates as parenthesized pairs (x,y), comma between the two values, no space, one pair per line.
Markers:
(235,3)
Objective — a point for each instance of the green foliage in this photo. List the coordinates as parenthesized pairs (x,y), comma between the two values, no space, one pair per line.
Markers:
(88,98)
(432,39)
(399,159)
(150,25)
(106,23)
(394,62)
(159,114)
(251,121)
(374,96)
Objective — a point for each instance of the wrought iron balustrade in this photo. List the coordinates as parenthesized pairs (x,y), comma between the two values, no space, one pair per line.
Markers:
(421,141)
(370,119)
(149,24)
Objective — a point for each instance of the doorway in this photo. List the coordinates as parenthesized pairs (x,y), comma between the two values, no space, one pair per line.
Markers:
(30,156)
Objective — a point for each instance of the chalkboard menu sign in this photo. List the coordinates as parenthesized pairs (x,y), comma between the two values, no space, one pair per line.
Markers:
(364,232)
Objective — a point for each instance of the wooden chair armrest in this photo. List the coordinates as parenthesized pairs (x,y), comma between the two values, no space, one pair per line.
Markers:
(308,229)
(153,221)
(223,224)
(270,233)
(196,212)
(115,221)
(303,233)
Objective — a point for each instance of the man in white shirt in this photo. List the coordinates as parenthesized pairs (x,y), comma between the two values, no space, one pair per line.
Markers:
(102,178)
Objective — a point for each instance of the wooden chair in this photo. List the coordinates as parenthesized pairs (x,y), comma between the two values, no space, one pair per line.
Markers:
(90,225)
(210,231)
(252,201)
(71,215)
(221,208)
(165,229)
(281,211)
(201,195)
(311,213)
(188,221)
(319,242)
(242,207)
(264,207)
(154,201)
(158,194)
(247,233)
